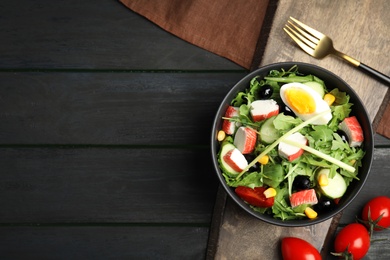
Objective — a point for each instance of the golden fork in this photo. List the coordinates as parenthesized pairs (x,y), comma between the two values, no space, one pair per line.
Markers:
(319,46)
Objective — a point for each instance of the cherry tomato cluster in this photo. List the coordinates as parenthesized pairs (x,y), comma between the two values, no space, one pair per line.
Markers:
(353,241)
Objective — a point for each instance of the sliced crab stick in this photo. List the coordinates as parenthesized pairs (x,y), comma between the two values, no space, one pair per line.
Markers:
(229,127)
(291,152)
(236,160)
(303,197)
(263,109)
(245,139)
(353,130)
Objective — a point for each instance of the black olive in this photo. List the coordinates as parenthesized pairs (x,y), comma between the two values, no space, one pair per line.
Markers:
(286,110)
(301,182)
(343,135)
(265,92)
(250,158)
(324,205)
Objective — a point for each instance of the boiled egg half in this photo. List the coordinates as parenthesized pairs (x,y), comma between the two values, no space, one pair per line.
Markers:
(305,102)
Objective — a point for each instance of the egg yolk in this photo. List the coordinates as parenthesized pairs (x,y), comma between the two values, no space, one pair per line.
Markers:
(300,101)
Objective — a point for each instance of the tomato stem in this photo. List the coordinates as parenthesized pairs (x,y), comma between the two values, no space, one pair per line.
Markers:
(372,224)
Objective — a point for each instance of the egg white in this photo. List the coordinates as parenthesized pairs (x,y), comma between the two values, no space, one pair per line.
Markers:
(321,105)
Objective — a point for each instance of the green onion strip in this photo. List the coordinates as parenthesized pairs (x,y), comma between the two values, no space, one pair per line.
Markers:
(324,156)
(282,138)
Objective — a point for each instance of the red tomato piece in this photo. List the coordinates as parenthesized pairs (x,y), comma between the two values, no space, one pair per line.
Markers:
(255,197)
(294,248)
(376,212)
(336,201)
(354,240)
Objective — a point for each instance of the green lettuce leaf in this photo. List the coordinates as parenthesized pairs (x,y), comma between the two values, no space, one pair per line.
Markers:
(273,174)
(285,123)
(253,179)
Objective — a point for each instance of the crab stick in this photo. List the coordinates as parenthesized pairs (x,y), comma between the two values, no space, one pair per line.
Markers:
(303,197)
(291,152)
(245,139)
(229,127)
(353,130)
(263,109)
(236,160)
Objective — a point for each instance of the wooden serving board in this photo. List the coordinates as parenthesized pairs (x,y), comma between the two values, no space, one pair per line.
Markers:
(234,233)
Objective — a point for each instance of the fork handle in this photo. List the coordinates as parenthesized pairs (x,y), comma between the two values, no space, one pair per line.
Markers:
(372,72)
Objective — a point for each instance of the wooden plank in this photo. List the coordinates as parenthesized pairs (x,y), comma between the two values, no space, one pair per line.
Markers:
(103,242)
(381,140)
(105,185)
(92,35)
(111,108)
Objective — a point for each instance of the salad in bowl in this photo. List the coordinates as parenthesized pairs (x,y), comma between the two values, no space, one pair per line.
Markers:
(292,144)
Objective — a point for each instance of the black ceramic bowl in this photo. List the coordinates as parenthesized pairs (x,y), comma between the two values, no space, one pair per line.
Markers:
(331,81)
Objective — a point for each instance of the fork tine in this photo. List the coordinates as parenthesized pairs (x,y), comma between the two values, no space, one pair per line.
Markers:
(305,47)
(316,33)
(303,35)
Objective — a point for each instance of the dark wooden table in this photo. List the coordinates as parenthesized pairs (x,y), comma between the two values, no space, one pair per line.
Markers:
(105,132)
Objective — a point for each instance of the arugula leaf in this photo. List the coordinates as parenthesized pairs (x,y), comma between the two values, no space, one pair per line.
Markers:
(341,97)
(341,108)
(239,99)
(281,208)
(253,179)
(244,109)
(260,210)
(273,174)
(254,88)
(322,136)
(339,144)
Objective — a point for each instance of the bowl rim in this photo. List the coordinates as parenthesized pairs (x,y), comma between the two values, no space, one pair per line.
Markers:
(368,135)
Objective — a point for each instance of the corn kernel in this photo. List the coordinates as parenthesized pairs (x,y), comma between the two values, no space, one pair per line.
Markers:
(310,213)
(264,160)
(323,180)
(329,98)
(270,192)
(221,135)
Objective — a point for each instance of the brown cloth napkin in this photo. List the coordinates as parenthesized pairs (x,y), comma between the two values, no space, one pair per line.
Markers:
(204,23)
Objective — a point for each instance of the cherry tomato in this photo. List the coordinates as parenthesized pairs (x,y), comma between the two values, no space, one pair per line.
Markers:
(254,196)
(354,240)
(376,212)
(294,248)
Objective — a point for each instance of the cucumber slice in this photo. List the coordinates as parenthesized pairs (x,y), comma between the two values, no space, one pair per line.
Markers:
(336,186)
(316,86)
(225,148)
(268,132)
